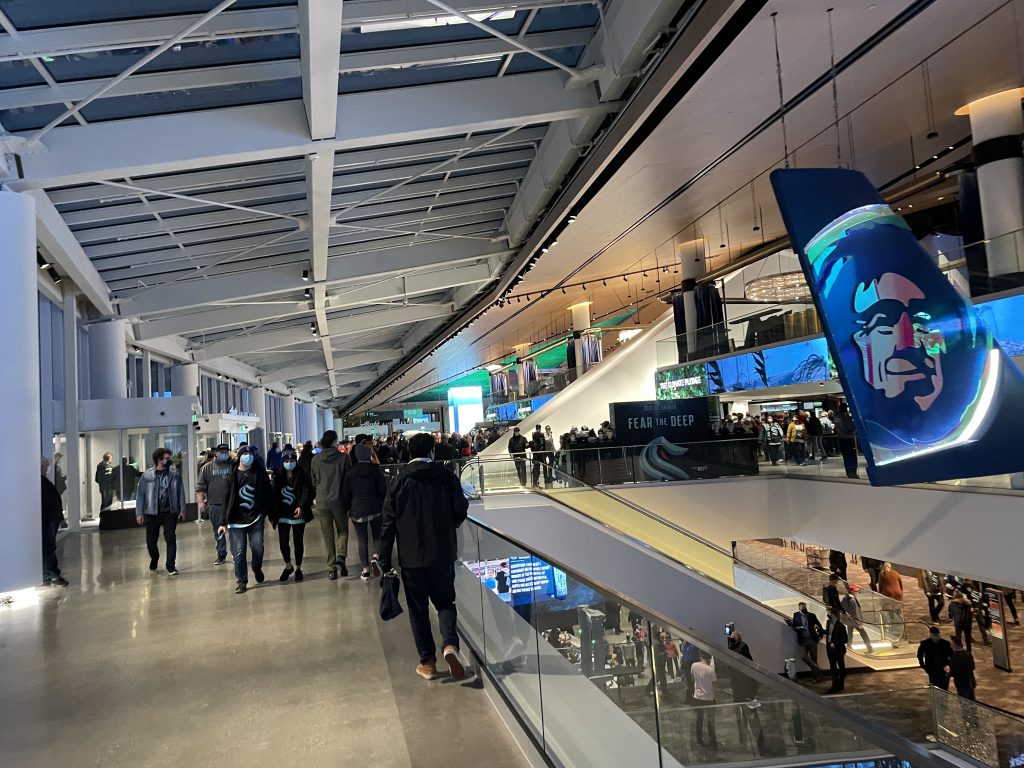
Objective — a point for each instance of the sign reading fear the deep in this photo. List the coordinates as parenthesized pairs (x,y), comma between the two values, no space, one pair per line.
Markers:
(678,421)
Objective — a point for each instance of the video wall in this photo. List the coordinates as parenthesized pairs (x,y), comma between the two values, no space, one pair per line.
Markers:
(802,362)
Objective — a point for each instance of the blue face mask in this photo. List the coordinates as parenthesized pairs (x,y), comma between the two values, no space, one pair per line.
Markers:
(245,460)
(316,451)
(289,465)
(223,456)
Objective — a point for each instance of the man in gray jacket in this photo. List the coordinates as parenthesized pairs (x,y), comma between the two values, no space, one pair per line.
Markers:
(328,471)
(212,490)
(160,502)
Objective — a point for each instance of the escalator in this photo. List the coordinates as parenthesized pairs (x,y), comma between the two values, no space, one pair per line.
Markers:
(593,654)
(762,600)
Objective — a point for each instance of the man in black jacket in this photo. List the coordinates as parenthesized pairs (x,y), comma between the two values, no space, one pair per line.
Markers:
(808,633)
(933,655)
(836,640)
(424,506)
(517,446)
(250,499)
(53,516)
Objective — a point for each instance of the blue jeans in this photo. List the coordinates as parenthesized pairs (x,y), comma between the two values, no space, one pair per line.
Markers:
(254,535)
(216,520)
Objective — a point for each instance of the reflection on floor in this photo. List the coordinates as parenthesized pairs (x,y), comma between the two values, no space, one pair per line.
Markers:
(128,668)
(996,687)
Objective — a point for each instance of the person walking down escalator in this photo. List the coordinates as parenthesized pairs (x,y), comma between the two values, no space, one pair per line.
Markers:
(517,446)
(537,449)
(808,633)
(853,616)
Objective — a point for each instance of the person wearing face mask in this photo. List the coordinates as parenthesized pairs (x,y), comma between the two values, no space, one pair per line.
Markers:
(933,655)
(212,488)
(517,445)
(160,503)
(292,509)
(549,456)
(773,437)
(249,501)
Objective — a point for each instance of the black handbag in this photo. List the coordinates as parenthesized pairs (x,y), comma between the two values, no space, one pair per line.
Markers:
(390,607)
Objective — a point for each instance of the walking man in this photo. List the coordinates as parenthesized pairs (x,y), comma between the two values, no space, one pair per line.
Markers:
(249,501)
(773,440)
(53,516)
(105,480)
(808,633)
(517,446)
(836,640)
(853,616)
(212,489)
(424,506)
(933,655)
(160,503)
(328,470)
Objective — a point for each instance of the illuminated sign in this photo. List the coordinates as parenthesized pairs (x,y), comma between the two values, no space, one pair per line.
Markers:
(933,394)
(681,382)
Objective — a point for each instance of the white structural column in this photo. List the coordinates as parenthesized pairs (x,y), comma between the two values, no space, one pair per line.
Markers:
(997,125)
(20,544)
(311,426)
(339,426)
(185,381)
(580,325)
(288,406)
(147,374)
(72,451)
(107,361)
(258,403)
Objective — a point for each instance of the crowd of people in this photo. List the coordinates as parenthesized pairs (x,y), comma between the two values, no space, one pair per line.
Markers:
(416,513)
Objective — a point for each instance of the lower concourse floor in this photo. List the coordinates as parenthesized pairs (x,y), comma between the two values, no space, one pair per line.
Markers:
(131,668)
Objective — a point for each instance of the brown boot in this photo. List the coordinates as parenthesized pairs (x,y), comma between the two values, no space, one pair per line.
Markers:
(451,657)
(427,670)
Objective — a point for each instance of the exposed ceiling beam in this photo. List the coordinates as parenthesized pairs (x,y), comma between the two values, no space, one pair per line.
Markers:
(139,33)
(266,71)
(319,43)
(377,292)
(480,184)
(170,143)
(289,337)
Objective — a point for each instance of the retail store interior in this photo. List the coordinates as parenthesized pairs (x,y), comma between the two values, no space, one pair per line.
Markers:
(708,314)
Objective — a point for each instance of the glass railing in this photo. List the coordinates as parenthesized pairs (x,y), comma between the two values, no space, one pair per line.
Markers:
(976,730)
(884,632)
(597,681)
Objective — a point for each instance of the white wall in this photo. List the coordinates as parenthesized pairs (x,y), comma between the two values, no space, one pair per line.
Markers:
(976,535)
(625,375)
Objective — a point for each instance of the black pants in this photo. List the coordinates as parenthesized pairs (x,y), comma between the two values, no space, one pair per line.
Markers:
(169,521)
(935,603)
(837,666)
(873,574)
(538,464)
(939,679)
(371,527)
(520,468)
(106,496)
(423,586)
(706,708)
(962,630)
(296,531)
(848,447)
(51,570)
(1010,598)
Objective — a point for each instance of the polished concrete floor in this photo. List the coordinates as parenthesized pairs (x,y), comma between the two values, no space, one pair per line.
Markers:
(129,668)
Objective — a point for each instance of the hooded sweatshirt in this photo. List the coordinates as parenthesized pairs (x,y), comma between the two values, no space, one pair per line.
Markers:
(328,470)
(424,506)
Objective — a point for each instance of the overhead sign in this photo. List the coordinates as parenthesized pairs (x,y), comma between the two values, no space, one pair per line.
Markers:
(678,421)
(933,394)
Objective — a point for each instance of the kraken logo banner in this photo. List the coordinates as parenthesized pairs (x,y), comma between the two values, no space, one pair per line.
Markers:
(933,395)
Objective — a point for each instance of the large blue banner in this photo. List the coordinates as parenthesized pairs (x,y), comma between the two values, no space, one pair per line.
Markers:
(933,395)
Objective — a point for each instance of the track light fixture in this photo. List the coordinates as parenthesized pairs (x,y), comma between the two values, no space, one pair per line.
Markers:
(305,275)
(307,293)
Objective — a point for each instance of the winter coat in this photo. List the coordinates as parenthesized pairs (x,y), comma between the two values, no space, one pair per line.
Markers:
(290,493)
(328,470)
(363,491)
(423,507)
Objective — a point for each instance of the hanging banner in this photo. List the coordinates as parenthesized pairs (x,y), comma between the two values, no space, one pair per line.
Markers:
(933,395)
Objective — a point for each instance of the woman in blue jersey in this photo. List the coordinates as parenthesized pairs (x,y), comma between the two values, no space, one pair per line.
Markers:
(250,500)
(291,510)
